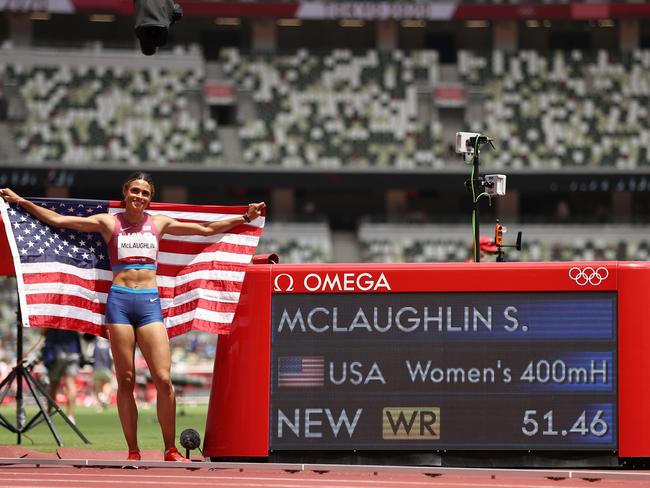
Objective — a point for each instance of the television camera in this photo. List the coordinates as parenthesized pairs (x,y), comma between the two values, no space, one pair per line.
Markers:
(153,18)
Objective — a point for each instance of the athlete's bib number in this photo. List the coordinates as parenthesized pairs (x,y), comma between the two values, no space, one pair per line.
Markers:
(136,247)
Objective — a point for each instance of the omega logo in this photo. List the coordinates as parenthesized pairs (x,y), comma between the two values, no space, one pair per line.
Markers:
(278,282)
(284,282)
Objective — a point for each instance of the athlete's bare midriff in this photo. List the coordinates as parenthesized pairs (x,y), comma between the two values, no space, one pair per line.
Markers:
(135,278)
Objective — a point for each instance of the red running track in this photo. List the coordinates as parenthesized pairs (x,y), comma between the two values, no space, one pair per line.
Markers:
(338,477)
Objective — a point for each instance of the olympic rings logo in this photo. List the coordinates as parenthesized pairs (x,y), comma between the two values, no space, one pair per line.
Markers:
(588,275)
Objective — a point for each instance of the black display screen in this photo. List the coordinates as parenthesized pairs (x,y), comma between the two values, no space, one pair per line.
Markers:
(444,371)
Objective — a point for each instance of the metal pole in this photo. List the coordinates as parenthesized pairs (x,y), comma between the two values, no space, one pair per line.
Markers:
(20,407)
(475,191)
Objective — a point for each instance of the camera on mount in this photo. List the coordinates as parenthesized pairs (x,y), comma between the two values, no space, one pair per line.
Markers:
(490,185)
(153,18)
(495,185)
(466,142)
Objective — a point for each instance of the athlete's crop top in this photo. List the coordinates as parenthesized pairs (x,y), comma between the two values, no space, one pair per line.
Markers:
(133,246)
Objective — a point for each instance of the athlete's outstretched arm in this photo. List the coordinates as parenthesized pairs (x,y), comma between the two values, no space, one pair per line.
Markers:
(102,223)
(176,228)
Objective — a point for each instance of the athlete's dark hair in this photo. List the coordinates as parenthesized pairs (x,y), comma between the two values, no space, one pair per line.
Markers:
(139,175)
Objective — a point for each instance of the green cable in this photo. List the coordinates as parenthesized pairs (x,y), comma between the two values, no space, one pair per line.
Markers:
(474,233)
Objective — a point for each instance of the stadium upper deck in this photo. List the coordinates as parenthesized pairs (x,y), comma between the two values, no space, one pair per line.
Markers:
(565,97)
(334,109)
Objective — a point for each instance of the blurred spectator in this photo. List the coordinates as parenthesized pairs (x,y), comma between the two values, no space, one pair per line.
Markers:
(562,211)
(102,372)
(61,356)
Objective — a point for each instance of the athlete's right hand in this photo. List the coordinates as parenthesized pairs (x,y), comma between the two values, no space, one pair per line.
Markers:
(10,196)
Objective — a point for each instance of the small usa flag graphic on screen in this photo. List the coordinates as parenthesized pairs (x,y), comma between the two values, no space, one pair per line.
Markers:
(301,371)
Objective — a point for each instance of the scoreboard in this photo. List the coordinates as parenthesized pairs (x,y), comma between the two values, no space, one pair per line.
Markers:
(488,356)
(443,370)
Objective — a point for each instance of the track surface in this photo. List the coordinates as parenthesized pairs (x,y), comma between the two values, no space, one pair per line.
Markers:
(26,475)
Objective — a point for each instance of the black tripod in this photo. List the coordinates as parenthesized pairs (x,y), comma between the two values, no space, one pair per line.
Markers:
(22,372)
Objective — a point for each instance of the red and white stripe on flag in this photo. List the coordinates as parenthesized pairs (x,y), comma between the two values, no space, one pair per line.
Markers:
(63,276)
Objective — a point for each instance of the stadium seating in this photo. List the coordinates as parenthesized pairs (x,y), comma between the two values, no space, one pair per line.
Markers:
(97,113)
(436,243)
(338,109)
(562,109)
(341,109)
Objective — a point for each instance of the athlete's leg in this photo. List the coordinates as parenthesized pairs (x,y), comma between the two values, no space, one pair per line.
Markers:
(154,345)
(54,386)
(70,388)
(122,339)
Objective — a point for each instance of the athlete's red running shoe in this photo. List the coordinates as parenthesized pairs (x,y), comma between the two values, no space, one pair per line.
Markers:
(172,454)
(134,455)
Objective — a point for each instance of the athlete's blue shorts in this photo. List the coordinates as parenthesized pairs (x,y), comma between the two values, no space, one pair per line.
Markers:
(133,306)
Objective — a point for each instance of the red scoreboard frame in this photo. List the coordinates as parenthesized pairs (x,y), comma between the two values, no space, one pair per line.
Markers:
(238,416)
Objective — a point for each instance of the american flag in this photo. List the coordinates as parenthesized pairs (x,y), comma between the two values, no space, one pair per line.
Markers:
(301,371)
(64,276)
